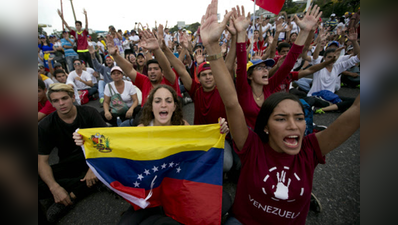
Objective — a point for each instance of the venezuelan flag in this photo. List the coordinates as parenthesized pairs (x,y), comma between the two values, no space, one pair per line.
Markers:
(177,167)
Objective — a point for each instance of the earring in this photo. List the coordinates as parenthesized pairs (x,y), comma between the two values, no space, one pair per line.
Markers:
(266,132)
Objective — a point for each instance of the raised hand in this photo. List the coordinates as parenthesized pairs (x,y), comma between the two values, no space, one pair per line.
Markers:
(310,18)
(112,49)
(91,49)
(224,47)
(270,40)
(211,30)
(241,22)
(160,36)
(84,12)
(257,55)
(353,36)
(149,41)
(199,56)
(59,13)
(278,25)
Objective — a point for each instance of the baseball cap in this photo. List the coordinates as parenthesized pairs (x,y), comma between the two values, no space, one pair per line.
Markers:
(116,68)
(51,36)
(350,48)
(57,64)
(202,67)
(332,15)
(109,56)
(65,31)
(40,66)
(88,36)
(42,36)
(133,31)
(255,62)
(334,42)
(140,54)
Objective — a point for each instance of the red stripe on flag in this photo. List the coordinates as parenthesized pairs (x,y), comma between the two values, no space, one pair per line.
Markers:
(273,6)
(191,202)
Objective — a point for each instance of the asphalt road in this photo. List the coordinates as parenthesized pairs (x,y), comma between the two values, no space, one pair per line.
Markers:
(336,184)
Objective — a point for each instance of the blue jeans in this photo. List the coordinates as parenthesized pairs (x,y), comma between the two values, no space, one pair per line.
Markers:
(101,88)
(232,221)
(69,62)
(304,84)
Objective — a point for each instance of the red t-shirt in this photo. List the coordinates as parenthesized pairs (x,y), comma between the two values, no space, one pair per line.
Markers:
(145,85)
(208,105)
(47,108)
(275,188)
(284,86)
(82,43)
(244,90)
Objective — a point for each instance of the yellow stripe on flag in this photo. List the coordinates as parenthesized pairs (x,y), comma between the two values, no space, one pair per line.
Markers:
(149,143)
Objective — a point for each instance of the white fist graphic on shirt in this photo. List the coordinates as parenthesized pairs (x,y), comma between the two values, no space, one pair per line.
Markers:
(282,191)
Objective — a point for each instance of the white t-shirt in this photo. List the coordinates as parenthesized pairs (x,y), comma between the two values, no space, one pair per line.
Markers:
(325,80)
(295,28)
(79,85)
(167,38)
(129,90)
(135,38)
(126,44)
(100,45)
(263,28)
(91,72)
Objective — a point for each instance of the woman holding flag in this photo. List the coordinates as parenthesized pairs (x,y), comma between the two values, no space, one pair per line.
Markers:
(161,109)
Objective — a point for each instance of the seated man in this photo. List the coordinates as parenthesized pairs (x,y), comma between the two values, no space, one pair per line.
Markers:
(81,79)
(70,179)
(60,77)
(45,107)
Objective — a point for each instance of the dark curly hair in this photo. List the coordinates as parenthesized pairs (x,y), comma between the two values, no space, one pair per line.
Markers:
(147,113)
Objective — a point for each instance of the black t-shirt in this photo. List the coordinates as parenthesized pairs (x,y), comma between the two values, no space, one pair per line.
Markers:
(54,132)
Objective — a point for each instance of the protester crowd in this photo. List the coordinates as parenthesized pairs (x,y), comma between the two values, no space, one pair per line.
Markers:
(236,69)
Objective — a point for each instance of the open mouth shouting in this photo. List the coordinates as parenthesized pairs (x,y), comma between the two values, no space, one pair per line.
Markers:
(291,141)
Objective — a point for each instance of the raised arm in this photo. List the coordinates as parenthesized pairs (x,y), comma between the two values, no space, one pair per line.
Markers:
(97,66)
(231,56)
(62,18)
(315,68)
(126,66)
(178,66)
(210,33)
(151,43)
(353,36)
(341,129)
(85,16)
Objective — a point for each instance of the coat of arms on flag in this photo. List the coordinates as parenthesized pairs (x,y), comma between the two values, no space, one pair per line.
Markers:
(177,167)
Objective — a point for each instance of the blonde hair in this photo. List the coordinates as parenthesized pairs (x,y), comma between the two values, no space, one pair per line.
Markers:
(59,87)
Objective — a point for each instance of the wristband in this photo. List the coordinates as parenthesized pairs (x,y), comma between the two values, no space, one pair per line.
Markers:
(213,57)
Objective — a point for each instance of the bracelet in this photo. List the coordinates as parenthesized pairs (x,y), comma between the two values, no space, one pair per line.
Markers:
(213,57)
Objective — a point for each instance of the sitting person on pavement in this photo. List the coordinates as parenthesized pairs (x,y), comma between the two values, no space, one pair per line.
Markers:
(44,106)
(70,179)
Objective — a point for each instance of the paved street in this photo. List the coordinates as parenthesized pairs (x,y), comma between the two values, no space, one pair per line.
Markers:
(336,184)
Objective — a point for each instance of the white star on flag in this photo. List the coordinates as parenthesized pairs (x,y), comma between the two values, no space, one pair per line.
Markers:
(140,177)
(178,170)
(155,168)
(136,184)
(147,172)
(164,165)
(171,164)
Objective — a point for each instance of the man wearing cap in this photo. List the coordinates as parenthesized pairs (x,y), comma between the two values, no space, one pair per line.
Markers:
(70,54)
(134,37)
(81,38)
(332,23)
